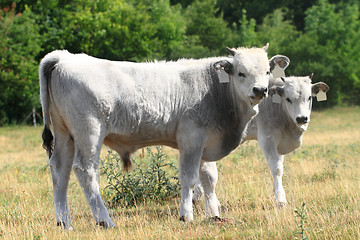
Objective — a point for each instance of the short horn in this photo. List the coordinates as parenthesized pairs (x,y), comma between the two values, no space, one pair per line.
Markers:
(231,51)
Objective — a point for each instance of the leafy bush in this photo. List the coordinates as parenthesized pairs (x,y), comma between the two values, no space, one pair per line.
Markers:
(19,44)
(152,179)
(330,48)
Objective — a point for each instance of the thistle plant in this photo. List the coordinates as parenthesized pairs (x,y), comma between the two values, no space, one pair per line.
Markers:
(300,214)
(153,178)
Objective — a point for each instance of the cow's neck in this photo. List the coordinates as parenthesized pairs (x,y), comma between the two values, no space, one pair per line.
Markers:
(292,128)
(226,115)
(245,113)
(233,112)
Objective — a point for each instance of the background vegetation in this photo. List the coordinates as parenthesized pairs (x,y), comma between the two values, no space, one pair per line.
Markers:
(321,178)
(153,178)
(323,173)
(320,36)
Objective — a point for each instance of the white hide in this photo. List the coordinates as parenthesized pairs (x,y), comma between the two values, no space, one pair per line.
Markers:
(127,106)
(276,127)
(298,99)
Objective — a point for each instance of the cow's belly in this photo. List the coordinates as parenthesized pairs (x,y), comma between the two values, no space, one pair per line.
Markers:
(132,143)
(217,146)
(140,136)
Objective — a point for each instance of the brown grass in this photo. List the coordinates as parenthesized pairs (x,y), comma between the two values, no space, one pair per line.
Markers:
(323,173)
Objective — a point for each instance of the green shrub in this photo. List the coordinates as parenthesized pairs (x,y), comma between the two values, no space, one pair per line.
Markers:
(153,178)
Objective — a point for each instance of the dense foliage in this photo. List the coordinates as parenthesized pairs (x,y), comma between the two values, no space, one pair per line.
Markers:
(153,179)
(319,36)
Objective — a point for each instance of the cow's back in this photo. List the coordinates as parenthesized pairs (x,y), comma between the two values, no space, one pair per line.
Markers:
(130,98)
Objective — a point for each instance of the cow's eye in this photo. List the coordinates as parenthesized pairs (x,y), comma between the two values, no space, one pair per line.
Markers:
(241,74)
(268,73)
(288,100)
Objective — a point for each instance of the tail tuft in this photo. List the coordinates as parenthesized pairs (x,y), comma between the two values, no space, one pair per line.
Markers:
(48,141)
(126,162)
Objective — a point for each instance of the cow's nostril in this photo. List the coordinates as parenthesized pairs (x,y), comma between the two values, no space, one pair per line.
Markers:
(260,91)
(301,120)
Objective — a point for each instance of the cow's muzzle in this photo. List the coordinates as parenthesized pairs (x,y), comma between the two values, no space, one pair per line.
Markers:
(258,93)
(302,120)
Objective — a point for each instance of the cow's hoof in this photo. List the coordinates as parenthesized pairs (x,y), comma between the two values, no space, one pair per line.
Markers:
(219,219)
(185,219)
(195,201)
(105,224)
(64,225)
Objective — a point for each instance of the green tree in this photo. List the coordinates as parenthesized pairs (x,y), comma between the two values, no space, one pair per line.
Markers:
(169,30)
(259,9)
(206,33)
(118,30)
(244,33)
(330,48)
(277,31)
(19,45)
(324,39)
(109,29)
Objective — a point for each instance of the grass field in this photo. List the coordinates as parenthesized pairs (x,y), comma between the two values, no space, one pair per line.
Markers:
(324,174)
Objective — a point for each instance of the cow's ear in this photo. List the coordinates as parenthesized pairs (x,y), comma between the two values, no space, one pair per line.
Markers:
(224,64)
(281,60)
(311,76)
(276,89)
(315,88)
(266,47)
(231,51)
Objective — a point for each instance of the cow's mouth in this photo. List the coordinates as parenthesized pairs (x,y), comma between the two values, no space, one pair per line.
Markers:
(303,126)
(255,99)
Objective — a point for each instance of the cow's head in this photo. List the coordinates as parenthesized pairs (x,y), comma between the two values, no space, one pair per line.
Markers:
(249,71)
(296,94)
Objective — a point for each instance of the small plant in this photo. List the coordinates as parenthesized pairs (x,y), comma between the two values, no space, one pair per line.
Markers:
(153,178)
(328,173)
(300,214)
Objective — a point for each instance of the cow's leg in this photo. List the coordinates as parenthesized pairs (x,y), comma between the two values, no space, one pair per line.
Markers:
(60,165)
(277,170)
(190,139)
(87,154)
(276,165)
(208,176)
(189,173)
(198,191)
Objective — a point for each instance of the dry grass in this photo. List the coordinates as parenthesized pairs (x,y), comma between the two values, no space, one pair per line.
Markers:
(323,173)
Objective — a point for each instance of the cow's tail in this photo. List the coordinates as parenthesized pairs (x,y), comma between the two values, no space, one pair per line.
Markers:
(126,161)
(46,68)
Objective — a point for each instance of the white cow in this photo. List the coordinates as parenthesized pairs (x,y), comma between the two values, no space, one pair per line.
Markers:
(279,126)
(127,106)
